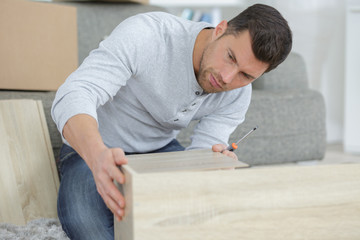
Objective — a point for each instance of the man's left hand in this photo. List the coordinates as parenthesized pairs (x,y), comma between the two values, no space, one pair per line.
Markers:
(221,147)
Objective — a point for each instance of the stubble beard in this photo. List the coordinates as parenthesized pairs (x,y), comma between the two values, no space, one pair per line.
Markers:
(204,75)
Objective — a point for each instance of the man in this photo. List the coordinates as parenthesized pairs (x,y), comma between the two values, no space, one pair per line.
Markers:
(151,77)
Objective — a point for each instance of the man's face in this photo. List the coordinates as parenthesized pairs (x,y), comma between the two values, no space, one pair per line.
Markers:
(228,62)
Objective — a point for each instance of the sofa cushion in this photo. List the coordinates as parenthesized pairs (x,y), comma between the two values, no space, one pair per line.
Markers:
(291,74)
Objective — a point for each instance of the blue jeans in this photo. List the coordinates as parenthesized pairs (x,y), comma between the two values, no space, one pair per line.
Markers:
(81,210)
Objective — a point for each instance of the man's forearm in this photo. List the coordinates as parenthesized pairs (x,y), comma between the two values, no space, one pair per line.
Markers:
(82,134)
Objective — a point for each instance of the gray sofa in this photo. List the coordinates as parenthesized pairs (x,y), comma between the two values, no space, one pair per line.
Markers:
(290,116)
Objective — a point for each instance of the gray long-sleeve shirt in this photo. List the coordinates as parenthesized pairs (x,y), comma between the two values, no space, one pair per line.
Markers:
(141,88)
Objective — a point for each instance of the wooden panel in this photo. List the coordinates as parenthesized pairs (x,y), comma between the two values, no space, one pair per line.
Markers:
(297,202)
(194,160)
(182,161)
(28,177)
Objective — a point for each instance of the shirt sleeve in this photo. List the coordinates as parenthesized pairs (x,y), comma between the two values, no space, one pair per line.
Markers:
(216,127)
(103,72)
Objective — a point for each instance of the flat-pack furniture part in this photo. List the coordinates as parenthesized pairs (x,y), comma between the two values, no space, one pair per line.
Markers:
(286,202)
(29,179)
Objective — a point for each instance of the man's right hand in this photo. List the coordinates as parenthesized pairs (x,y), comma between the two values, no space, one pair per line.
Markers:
(81,131)
(105,170)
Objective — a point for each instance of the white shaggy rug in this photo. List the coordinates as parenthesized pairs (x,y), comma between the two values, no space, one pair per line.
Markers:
(39,229)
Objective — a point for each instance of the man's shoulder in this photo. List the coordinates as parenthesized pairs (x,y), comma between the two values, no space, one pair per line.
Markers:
(239,92)
(168,21)
(159,17)
(143,26)
(237,96)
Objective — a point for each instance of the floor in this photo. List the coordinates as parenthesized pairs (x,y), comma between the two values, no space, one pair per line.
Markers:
(335,154)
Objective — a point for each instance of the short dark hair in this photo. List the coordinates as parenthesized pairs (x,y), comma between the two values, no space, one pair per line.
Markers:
(270,33)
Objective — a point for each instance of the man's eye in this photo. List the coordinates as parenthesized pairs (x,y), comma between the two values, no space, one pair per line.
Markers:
(247,76)
(231,57)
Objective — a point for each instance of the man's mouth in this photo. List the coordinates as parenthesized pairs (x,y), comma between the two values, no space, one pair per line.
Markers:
(214,82)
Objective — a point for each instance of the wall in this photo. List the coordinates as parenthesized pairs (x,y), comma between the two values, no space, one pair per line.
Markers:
(352,75)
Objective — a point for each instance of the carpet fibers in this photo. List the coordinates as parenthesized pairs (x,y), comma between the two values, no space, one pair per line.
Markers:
(39,229)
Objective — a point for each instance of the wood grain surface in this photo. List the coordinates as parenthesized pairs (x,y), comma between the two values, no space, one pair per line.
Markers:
(294,202)
(193,160)
(28,177)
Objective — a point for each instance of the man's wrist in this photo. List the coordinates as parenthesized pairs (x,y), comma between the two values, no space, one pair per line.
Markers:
(91,151)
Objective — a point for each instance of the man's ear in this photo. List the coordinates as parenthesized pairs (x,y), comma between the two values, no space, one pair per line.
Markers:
(220,29)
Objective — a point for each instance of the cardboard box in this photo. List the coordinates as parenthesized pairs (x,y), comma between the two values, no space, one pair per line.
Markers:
(38,44)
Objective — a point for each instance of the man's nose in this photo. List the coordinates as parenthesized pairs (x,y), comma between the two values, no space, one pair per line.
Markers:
(229,74)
